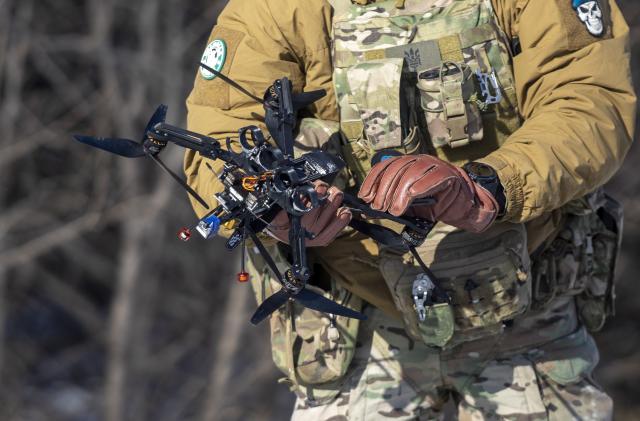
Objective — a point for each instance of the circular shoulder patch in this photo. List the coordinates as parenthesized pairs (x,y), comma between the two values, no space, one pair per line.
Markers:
(214,56)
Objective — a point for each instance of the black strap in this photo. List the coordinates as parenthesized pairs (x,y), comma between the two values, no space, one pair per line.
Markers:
(378,233)
(179,180)
(232,83)
(390,238)
(357,205)
(265,254)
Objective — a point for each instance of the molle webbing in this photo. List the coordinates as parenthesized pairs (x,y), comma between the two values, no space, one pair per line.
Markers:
(428,69)
(432,53)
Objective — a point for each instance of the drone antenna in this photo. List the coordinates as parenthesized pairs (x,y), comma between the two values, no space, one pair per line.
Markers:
(231,82)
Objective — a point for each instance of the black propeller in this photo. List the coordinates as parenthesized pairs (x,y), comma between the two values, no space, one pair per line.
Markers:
(305,297)
(147,147)
(123,147)
(159,116)
(270,305)
(308,299)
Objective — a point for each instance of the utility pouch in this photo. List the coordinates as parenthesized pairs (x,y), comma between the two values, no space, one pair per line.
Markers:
(375,91)
(448,99)
(438,325)
(580,261)
(485,275)
(371,110)
(313,349)
(597,302)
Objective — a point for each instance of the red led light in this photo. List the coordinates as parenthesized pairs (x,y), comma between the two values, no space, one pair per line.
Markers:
(184,234)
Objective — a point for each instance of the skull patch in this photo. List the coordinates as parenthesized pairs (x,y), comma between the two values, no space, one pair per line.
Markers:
(590,14)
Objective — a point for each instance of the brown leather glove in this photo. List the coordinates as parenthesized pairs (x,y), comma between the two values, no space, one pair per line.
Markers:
(392,186)
(325,222)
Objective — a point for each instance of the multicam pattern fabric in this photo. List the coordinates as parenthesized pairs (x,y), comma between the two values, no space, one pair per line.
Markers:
(374,85)
(501,361)
(309,347)
(423,34)
(396,378)
(535,366)
(580,261)
(382,24)
(450,104)
(486,276)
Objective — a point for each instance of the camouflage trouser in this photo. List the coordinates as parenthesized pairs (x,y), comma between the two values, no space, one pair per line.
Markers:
(520,374)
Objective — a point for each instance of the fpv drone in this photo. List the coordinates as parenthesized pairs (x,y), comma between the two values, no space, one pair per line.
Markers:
(263,180)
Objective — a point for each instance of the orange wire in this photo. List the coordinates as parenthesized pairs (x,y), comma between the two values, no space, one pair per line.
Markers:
(249,183)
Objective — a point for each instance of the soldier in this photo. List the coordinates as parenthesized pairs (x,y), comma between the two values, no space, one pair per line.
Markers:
(512,114)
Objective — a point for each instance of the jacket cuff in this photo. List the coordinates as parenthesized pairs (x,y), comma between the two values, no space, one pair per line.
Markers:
(512,184)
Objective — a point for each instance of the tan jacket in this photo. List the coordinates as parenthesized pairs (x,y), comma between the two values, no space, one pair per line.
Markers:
(574,92)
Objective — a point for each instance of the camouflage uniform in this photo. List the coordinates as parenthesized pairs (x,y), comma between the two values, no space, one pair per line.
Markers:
(513,342)
(394,377)
(503,359)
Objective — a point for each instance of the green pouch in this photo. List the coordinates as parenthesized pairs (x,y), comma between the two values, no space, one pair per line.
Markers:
(438,326)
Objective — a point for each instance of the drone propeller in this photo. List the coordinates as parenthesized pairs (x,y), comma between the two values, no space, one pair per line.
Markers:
(270,305)
(130,149)
(305,297)
(159,116)
(123,147)
(318,302)
(308,299)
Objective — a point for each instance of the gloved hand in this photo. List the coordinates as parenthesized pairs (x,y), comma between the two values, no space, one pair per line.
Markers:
(325,222)
(392,185)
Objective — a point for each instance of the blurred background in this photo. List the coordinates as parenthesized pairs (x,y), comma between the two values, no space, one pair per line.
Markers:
(104,313)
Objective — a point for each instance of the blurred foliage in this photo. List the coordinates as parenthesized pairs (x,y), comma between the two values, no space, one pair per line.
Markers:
(104,314)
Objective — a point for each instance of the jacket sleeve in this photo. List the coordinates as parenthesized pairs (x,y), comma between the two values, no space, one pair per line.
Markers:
(576,96)
(265,40)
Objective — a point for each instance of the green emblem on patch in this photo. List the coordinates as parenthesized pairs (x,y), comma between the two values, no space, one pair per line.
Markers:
(214,56)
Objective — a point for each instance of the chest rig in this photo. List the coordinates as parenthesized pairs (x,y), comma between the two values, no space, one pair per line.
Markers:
(421,76)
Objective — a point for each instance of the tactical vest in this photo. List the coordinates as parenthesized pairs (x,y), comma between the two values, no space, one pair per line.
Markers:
(421,76)
(435,76)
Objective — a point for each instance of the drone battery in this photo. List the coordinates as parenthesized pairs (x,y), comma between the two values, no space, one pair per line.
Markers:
(209,226)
